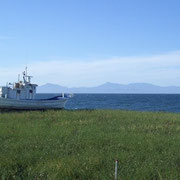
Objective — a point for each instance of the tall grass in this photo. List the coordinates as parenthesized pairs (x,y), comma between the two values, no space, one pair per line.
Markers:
(84,144)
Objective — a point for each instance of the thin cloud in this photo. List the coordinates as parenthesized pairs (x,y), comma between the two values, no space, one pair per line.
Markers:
(163,69)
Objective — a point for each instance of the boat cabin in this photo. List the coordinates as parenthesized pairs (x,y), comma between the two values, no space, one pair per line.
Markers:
(21,90)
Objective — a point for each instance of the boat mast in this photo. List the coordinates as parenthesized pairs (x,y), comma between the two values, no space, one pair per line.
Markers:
(26,74)
(27,79)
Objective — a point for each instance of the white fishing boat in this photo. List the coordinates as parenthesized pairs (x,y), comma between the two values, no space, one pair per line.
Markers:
(22,95)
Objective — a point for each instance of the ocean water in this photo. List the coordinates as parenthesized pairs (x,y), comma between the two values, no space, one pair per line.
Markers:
(136,102)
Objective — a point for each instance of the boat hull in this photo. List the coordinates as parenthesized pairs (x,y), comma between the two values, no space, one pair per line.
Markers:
(6,103)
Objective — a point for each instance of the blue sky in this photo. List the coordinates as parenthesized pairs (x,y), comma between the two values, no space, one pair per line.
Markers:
(88,36)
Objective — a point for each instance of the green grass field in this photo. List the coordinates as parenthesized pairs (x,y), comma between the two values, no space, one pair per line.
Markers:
(84,145)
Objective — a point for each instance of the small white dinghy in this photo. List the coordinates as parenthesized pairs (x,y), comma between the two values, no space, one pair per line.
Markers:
(22,95)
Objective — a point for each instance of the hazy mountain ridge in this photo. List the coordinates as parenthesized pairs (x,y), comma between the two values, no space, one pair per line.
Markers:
(111,88)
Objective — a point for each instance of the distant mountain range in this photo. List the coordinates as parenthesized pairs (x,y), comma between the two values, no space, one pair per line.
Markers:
(111,88)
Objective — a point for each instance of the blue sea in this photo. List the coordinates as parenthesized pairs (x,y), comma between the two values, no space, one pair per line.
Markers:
(135,102)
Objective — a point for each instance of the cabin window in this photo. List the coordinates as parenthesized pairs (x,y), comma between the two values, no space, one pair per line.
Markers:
(18,91)
(30,91)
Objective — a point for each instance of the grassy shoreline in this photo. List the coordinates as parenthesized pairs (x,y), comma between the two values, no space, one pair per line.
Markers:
(84,144)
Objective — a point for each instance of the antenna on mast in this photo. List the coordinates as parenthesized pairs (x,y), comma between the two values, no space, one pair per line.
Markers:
(26,73)
(26,70)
